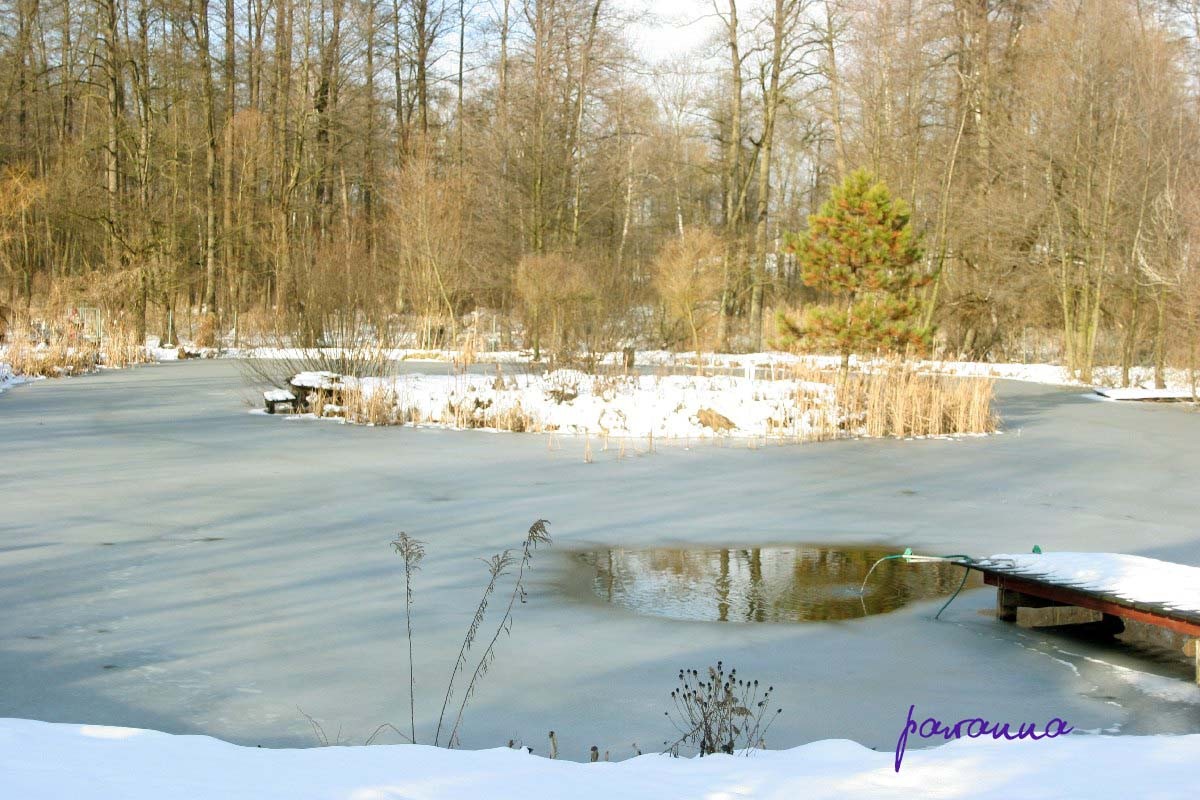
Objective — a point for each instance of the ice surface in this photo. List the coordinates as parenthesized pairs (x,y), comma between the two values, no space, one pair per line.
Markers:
(1146,394)
(168,561)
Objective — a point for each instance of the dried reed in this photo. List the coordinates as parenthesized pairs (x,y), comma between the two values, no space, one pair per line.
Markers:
(52,356)
(378,407)
(895,400)
(412,551)
(121,348)
(497,566)
(537,535)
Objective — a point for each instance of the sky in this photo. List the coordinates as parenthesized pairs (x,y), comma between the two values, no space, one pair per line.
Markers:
(673,27)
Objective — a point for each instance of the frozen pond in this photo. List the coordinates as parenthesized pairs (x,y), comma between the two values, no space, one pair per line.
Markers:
(781,583)
(168,560)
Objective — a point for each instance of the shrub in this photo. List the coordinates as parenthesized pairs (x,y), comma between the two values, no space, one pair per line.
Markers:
(717,712)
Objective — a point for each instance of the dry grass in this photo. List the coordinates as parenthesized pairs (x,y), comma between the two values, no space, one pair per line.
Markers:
(468,352)
(50,356)
(472,413)
(52,360)
(896,400)
(379,407)
(121,347)
(383,407)
(55,348)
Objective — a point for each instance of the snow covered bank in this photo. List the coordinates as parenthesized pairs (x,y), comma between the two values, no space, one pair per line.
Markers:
(762,363)
(1134,578)
(40,760)
(8,379)
(1141,378)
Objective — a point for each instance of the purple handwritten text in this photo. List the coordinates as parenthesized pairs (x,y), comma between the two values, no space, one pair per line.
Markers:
(973,728)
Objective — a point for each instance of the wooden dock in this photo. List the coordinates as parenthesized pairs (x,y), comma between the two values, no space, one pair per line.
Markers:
(1031,600)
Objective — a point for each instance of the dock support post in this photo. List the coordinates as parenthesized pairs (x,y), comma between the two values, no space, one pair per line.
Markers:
(1192,648)
(1006,604)
(1009,600)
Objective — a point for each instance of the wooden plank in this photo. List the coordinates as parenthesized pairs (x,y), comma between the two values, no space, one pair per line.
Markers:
(1075,597)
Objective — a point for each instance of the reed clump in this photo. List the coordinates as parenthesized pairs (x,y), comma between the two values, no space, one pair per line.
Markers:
(376,407)
(52,356)
(901,402)
(893,399)
(64,346)
(121,348)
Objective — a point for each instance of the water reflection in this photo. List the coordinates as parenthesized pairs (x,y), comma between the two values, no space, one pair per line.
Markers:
(796,583)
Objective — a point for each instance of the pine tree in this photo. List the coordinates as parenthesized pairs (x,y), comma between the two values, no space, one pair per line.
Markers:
(861,252)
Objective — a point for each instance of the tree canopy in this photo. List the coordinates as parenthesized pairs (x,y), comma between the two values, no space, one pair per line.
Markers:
(861,253)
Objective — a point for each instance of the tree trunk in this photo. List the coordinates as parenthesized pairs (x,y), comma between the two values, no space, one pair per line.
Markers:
(227,238)
(772,96)
(829,40)
(731,180)
(112,149)
(200,27)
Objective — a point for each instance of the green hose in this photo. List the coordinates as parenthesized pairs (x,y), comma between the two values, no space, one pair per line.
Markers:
(966,574)
(908,556)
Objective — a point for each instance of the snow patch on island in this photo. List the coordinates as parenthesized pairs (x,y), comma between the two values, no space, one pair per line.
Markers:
(568,401)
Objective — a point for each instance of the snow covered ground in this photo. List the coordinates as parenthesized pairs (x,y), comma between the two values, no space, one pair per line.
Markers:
(44,761)
(8,379)
(572,402)
(765,362)
(1134,578)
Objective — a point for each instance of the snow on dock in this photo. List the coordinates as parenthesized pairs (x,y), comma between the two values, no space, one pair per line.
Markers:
(1173,589)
